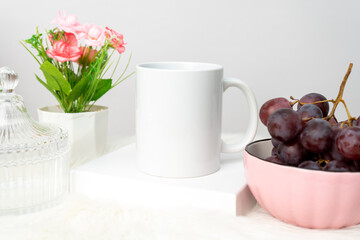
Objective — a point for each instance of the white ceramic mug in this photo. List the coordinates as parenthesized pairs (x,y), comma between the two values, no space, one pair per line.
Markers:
(178,118)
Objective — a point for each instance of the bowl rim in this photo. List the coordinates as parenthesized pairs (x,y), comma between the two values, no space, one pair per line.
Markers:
(288,166)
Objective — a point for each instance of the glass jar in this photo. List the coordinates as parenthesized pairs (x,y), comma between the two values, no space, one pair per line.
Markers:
(34,162)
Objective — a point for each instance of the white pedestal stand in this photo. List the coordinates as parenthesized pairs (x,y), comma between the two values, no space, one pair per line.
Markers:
(115,176)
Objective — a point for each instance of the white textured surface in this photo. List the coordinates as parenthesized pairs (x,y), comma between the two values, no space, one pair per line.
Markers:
(115,176)
(80,218)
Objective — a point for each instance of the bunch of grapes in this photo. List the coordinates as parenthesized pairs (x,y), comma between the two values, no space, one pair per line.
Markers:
(305,134)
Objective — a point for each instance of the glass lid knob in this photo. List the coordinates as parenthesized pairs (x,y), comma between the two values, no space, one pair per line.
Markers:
(8,80)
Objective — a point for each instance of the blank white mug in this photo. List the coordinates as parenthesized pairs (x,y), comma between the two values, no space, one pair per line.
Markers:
(178,118)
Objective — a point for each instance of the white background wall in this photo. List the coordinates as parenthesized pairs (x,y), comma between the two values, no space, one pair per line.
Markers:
(280,47)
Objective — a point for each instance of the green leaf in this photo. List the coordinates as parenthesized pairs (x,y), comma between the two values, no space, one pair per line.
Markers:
(78,89)
(49,88)
(34,40)
(103,86)
(54,78)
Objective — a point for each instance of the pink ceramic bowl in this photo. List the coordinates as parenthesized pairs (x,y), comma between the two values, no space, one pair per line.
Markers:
(306,198)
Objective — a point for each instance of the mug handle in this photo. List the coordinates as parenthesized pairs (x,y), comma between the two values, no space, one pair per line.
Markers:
(253,121)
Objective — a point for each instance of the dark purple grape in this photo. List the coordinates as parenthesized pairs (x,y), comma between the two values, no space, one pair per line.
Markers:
(348,142)
(317,135)
(337,166)
(312,156)
(309,165)
(356,166)
(284,124)
(271,106)
(292,152)
(333,153)
(353,165)
(357,123)
(316,97)
(275,142)
(275,159)
(309,111)
(274,151)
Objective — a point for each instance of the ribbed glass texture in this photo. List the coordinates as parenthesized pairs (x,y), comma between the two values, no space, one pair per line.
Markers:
(34,163)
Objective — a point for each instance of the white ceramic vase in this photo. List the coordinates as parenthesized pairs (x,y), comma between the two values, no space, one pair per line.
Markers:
(87,130)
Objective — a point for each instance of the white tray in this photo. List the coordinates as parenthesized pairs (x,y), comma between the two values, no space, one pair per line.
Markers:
(115,177)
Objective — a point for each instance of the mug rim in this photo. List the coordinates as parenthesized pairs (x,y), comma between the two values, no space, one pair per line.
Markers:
(179,66)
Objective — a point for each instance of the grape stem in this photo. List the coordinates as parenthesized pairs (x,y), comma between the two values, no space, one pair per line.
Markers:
(321,161)
(336,101)
(350,118)
(340,94)
(294,102)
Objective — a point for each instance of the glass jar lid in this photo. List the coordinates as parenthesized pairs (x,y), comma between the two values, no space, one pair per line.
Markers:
(18,131)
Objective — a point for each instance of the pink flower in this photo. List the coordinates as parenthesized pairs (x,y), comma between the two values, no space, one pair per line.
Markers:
(88,55)
(69,38)
(93,35)
(63,52)
(116,40)
(67,23)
